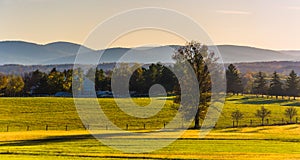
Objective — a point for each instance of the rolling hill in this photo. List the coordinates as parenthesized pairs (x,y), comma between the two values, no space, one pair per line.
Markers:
(25,53)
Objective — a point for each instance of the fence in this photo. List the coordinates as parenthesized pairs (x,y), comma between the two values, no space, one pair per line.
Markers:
(267,122)
(68,127)
(141,126)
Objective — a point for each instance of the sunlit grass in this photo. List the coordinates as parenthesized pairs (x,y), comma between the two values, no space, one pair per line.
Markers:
(255,142)
(266,142)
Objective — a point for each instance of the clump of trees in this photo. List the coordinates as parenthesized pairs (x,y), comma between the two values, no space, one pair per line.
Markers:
(261,84)
(41,83)
(262,114)
(11,85)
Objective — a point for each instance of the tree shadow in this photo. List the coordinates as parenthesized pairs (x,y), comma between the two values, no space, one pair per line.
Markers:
(264,101)
(293,104)
(238,99)
(58,139)
(72,138)
(47,140)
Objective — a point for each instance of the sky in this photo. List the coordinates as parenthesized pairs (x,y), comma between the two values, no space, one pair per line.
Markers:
(269,24)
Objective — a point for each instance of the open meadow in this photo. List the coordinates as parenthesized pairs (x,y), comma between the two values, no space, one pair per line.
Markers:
(49,128)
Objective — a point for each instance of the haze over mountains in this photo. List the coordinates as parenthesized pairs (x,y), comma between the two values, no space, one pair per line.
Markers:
(25,53)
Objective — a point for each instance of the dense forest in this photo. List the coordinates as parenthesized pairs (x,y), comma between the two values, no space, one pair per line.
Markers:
(38,83)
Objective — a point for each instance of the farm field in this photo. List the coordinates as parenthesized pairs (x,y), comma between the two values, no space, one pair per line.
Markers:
(21,114)
(243,143)
(224,142)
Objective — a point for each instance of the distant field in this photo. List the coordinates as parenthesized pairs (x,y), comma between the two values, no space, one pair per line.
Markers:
(21,114)
(57,113)
(268,142)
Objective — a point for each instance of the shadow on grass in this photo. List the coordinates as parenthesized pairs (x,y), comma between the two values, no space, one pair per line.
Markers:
(47,140)
(57,139)
(70,138)
(263,101)
(293,104)
(238,99)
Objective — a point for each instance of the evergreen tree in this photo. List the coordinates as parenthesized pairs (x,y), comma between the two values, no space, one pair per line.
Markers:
(260,84)
(137,81)
(32,80)
(292,83)
(275,86)
(234,82)
(168,79)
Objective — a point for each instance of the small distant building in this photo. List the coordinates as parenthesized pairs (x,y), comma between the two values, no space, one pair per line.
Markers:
(104,94)
(63,94)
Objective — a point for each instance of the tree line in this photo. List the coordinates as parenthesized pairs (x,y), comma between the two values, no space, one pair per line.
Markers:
(260,84)
(40,83)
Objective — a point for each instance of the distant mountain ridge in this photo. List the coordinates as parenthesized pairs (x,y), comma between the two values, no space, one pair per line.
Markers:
(282,67)
(26,53)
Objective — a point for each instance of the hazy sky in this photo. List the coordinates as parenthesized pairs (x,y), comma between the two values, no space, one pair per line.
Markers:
(271,24)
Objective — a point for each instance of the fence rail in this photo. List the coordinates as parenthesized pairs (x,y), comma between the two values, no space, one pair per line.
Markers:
(127,126)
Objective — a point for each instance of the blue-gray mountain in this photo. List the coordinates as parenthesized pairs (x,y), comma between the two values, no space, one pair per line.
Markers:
(25,53)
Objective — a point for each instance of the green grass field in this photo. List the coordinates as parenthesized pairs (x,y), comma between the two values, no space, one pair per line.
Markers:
(256,142)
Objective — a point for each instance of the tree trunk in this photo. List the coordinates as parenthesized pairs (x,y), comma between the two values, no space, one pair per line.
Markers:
(197,123)
(197,120)
(262,121)
(276,97)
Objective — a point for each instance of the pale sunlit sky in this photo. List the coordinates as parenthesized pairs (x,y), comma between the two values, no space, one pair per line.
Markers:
(270,24)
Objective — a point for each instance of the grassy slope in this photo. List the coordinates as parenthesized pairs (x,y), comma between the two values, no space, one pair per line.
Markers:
(36,113)
(238,143)
(248,105)
(243,143)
